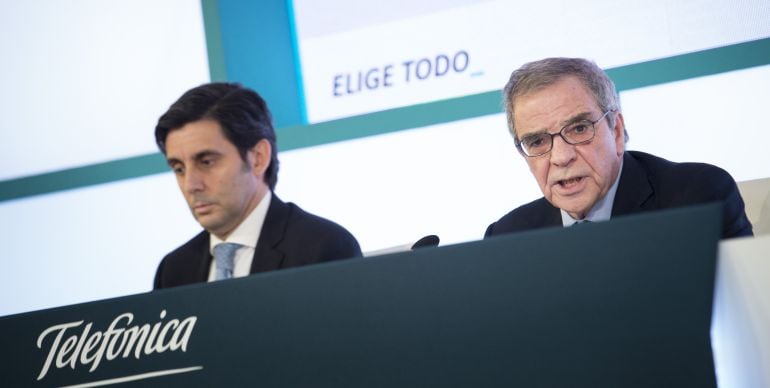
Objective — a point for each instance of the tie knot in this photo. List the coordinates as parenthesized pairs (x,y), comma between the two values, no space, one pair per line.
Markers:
(224,255)
(226,249)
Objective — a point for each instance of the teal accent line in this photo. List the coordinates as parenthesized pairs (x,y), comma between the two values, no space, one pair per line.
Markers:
(680,67)
(390,120)
(214,50)
(73,178)
(692,65)
(297,62)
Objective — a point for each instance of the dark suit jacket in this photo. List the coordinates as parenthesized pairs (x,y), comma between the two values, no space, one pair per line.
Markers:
(648,183)
(290,237)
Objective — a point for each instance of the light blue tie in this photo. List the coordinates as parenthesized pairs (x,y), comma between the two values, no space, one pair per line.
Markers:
(224,253)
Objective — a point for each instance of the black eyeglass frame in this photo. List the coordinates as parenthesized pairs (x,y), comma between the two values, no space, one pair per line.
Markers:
(517,142)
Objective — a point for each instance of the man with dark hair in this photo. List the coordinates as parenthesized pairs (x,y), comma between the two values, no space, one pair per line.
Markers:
(219,141)
(565,118)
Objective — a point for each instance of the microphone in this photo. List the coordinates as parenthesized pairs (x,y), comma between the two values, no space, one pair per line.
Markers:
(427,241)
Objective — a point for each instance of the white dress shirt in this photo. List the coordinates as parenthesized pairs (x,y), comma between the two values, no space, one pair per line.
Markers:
(246,234)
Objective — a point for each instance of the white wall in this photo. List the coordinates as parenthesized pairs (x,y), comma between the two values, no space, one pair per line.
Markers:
(85,81)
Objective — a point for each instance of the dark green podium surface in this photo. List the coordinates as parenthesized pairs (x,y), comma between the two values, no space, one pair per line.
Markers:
(625,303)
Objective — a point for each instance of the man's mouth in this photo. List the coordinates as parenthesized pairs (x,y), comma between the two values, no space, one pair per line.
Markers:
(566,183)
(201,207)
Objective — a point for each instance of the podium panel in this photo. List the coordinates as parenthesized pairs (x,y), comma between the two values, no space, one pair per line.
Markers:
(620,303)
(739,327)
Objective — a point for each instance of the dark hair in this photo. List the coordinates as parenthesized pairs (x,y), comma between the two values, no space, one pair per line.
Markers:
(537,75)
(241,112)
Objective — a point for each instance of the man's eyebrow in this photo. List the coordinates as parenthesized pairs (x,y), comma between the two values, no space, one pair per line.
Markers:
(574,119)
(172,161)
(578,117)
(197,157)
(205,154)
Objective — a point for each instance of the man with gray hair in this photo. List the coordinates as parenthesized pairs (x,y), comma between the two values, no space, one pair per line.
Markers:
(566,121)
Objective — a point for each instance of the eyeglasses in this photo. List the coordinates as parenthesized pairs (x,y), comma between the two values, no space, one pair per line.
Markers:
(578,132)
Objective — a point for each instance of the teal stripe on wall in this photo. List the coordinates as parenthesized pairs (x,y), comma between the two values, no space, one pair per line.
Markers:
(390,120)
(90,175)
(681,67)
(216,55)
(693,65)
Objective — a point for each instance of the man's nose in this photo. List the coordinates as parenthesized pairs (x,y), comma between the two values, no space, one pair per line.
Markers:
(193,182)
(562,153)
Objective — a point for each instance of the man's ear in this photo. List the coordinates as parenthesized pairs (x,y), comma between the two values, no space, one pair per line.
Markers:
(620,133)
(260,156)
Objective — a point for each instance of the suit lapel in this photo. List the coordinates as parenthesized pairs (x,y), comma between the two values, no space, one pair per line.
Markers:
(203,254)
(267,255)
(634,193)
(552,216)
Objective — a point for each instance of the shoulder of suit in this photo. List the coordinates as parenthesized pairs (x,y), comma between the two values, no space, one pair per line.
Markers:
(523,217)
(687,182)
(682,172)
(333,240)
(195,244)
(299,217)
(535,206)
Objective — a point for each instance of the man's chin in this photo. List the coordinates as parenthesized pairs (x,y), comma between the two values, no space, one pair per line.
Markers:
(208,222)
(573,208)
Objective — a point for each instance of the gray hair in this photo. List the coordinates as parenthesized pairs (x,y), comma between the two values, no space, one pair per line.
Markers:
(534,76)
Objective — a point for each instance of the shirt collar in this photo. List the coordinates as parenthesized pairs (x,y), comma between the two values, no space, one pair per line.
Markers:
(247,232)
(602,210)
